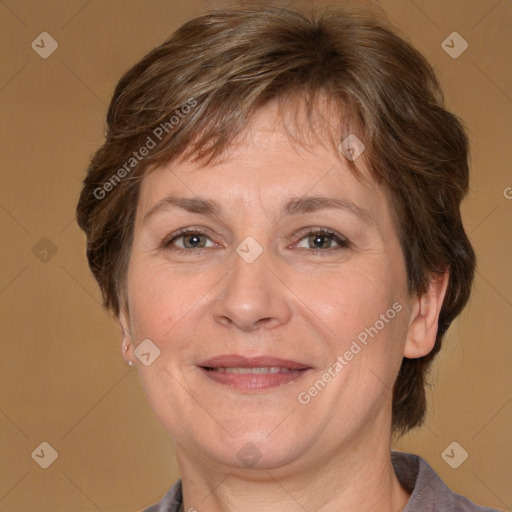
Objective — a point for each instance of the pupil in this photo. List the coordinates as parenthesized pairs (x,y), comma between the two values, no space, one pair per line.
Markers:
(193,241)
(320,241)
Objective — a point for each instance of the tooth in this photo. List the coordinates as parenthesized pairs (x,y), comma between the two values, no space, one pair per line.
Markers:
(260,370)
(256,370)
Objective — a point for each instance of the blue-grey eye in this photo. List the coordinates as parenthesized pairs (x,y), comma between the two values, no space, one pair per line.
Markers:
(321,240)
(192,241)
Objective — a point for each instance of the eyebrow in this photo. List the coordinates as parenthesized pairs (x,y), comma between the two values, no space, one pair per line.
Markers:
(295,206)
(189,204)
(310,204)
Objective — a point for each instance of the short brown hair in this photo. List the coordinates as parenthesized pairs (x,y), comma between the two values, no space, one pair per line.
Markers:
(227,64)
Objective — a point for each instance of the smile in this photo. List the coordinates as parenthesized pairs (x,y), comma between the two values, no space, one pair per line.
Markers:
(252,373)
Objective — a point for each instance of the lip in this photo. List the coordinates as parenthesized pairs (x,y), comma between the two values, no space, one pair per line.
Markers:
(292,370)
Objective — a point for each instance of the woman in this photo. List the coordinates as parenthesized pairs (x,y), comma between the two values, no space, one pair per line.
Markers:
(274,219)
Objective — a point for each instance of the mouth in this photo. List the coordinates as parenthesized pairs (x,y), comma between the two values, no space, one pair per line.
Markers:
(252,373)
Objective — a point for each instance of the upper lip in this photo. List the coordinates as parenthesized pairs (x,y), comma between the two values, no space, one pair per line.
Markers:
(237,361)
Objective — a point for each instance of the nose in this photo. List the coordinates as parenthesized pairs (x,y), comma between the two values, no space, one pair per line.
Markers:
(252,296)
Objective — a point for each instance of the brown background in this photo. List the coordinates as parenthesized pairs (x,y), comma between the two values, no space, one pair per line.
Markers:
(63,380)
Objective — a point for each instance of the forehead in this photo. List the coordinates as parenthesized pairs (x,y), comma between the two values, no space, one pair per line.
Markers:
(279,152)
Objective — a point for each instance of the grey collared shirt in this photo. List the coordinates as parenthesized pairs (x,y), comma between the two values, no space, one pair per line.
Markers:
(428,492)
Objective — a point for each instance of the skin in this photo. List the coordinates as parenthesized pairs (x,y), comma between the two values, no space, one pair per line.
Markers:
(296,302)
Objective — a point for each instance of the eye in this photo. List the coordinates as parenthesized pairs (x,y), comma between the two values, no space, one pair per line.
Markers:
(189,240)
(322,239)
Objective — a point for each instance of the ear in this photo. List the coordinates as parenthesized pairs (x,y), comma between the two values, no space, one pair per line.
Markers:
(126,338)
(422,331)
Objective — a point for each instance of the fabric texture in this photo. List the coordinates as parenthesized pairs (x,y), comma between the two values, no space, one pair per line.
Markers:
(428,492)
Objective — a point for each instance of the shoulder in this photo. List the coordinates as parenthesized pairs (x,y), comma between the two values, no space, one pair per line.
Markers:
(171,502)
(428,492)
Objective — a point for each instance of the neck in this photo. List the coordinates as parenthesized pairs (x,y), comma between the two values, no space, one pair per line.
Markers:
(362,479)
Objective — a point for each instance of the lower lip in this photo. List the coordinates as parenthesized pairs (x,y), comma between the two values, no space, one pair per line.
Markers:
(253,381)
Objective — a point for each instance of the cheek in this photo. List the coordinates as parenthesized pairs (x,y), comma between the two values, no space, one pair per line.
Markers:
(351,299)
(363,319)
(160,298)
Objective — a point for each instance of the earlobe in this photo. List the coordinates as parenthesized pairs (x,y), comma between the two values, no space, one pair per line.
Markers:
(126,338)
(423,325)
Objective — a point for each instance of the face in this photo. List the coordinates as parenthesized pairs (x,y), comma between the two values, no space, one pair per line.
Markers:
(274,287)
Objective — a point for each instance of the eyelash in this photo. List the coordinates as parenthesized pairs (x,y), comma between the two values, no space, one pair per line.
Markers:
(167,244)
(342,242)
